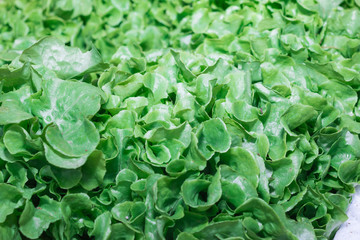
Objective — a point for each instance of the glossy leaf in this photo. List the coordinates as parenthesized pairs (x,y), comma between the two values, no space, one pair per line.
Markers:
(178,119)
(52,53)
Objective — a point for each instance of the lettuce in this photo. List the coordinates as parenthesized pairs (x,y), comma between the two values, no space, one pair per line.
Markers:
(178,119)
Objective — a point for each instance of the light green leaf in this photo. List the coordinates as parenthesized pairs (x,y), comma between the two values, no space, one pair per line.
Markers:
(66,62)
(10,199)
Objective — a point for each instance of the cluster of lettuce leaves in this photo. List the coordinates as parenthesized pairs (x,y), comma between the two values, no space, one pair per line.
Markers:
(181,119)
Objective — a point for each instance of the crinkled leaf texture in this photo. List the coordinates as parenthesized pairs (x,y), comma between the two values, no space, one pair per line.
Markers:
(188,120)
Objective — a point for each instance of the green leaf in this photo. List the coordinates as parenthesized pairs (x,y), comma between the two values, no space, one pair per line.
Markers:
(299,229)
(119,231)
(242,162)
(201,193)
(66,62)
(271,222)
(68,113)
(167,197)
(33,221)
(129,86)
(132,214)
(283,174)
(66,178)
(211,120)
(10,198)
(13,104)
(62,161)
(19,142)
(188,75)
(157,85)
(13,79)
(181,133)
(297,115)
(225,229)
(18,174)
(93,171)
(212,131)
(102,227)
(9,229)
(235,187)
(76,210)
(200,20)
(349,171)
